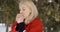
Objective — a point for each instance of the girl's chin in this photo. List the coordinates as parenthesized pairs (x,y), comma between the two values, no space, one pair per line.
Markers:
(25,17)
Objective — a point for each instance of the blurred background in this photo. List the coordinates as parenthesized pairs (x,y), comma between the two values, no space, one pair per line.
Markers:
(49,13)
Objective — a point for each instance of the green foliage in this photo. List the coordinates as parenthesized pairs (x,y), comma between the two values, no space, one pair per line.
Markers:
(10,9)
(50,14)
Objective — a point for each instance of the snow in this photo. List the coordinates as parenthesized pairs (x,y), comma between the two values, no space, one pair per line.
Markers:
(3,28)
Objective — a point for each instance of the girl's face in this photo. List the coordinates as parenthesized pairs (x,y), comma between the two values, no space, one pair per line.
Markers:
(25,10)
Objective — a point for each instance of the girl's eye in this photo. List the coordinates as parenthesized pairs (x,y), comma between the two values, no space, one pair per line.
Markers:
(23,9)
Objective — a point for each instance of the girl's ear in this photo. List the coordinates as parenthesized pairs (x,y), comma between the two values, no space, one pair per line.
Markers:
(30,14)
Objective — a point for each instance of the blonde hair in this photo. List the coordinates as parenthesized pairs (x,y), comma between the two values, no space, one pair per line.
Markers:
(32,6)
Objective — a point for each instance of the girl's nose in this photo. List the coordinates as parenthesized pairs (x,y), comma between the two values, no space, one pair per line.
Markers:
(21,12)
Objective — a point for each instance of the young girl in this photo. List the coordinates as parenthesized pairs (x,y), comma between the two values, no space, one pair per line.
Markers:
(26,20)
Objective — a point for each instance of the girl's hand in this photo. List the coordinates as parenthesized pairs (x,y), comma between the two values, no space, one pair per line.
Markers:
(19,18)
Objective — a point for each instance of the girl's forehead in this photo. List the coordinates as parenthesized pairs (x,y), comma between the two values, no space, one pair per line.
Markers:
(23,6)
